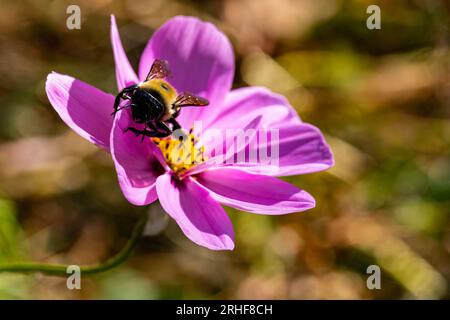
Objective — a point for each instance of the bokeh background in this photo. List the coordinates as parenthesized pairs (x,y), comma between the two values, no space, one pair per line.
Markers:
(382,98)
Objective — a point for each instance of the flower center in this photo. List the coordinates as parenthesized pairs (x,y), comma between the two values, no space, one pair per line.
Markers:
(181,154)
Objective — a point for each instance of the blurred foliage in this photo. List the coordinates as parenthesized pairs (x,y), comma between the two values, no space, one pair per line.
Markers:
(382,97)
(11,249)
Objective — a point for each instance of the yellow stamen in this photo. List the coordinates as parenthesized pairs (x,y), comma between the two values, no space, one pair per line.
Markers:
(181,154)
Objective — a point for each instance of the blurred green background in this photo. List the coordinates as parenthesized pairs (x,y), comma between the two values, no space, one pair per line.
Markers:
(382,98)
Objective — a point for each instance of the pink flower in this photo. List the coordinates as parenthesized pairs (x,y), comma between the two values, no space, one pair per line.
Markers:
(202,62)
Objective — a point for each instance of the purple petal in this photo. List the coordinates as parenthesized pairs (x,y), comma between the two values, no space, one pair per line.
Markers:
(243,105)
(200,217)
(201,59)
(250,108)
(84,108)
(125,74)
(302,149)
(255,193)
(294,148)
(136,164)
(226,146)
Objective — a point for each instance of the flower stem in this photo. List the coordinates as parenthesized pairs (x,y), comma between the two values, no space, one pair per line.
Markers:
(61,269)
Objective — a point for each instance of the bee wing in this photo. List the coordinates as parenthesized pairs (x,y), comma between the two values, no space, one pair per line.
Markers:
(189,99)
(159,69)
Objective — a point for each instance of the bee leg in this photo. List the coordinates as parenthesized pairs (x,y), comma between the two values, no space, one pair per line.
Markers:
(163,129)
(155,132)
(134,130)
(146,133)
(122,95)
(176,126)
(121,108)
(174,123)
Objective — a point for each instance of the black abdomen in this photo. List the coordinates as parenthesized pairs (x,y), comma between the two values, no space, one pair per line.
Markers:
(147,105)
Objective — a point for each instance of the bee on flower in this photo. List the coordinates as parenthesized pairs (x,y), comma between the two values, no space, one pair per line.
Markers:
(178,172)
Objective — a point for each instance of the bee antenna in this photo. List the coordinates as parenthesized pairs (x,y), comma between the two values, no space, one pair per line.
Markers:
(118,109)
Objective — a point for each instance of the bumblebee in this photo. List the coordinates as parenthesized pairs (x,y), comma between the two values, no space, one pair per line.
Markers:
(155,103)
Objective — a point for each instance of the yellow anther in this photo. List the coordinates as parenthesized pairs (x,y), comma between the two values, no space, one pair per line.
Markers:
(181,154)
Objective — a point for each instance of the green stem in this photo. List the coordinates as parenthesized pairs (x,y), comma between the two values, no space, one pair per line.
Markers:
(61,269)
